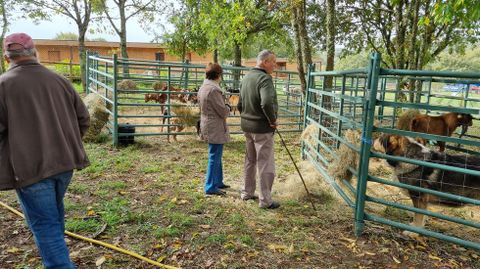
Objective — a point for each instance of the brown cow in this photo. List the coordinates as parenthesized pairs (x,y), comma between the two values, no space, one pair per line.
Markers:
(443,125)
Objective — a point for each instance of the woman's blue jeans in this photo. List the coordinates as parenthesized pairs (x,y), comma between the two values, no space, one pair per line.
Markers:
(42,204)
(214,177)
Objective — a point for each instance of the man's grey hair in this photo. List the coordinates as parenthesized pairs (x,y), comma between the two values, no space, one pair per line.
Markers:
(263,55)
(14,54)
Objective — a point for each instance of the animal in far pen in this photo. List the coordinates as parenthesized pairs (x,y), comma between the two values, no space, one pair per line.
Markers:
(444,125)
(430,178)
(182,117)
(233,98)
(160,98)
(233,102)
(187,96)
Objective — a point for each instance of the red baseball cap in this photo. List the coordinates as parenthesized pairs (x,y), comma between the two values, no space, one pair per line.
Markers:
(21,39)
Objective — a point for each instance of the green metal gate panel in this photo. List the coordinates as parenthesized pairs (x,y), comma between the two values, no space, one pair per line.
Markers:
(370,101)
(106,76)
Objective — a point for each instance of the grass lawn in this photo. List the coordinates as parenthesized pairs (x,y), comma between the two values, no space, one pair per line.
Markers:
(149,198)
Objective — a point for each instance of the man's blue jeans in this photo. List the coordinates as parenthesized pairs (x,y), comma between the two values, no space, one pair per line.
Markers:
(214,177)
(42,204)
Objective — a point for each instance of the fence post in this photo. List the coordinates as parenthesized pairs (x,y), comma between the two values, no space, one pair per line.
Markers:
(307,99)
(187,70)
(87,71)
(115,101)
(368,118)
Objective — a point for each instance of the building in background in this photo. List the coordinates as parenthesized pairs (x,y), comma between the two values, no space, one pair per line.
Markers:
(66,52)
(55,51)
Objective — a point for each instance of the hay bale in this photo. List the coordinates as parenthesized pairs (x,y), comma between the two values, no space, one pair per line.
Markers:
(347,157)
(186,115)
(406,118)
(310,133)
(158,86)
(127,85)
(292,187)
(98,116)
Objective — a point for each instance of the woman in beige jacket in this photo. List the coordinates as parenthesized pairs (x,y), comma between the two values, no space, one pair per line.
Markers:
(213,127)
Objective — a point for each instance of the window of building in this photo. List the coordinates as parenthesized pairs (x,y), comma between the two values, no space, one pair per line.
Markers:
(281,66)
(54,56)
(159,56)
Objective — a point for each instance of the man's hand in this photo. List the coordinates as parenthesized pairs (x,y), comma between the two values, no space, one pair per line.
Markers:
(274,125)
(228,106)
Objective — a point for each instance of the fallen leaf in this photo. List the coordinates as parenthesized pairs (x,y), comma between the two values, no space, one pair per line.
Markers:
(433,257)
(229,245)
(177,246)
(122,192)
(290,249)
(396,260)
(161,258)
(204,226)
(13,250)
(91,212)
(277,248)
(100,261)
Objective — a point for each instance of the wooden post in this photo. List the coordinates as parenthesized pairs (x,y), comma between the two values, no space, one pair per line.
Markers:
(70,64)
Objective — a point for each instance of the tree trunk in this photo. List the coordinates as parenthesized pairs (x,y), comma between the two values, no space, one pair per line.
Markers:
(424,57)
(298,50)
(330,40)
(184,52)
(81,55)
(215,56)
(2,37)
(414,9)
(400,39)
(330,21)
(305,40)
(237,62)
(123,36)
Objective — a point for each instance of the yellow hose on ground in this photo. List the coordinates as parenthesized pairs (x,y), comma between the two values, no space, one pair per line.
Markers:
(93,241)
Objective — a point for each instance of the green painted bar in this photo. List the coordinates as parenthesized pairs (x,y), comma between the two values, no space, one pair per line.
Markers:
(358,100)
(87,72)
(369,115)
(429,191)
(422,231)
(102,73)
(425,73)
(331,181)
(427,136)
(340,73)
(312,148)
(423,106)
(323,128)
(428,164)
(336,115)
(101,59)
(115,102)
(423,211)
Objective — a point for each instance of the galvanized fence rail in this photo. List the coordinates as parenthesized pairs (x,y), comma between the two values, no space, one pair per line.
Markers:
(366,102)
(128,86)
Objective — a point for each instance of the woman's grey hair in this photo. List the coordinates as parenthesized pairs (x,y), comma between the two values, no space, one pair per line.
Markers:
(14,54)
(263,55)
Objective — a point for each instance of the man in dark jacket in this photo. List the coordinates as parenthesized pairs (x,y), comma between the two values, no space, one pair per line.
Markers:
(42,121)
(258,108)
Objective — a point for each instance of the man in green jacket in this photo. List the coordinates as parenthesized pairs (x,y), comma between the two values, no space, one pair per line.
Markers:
(258,108)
